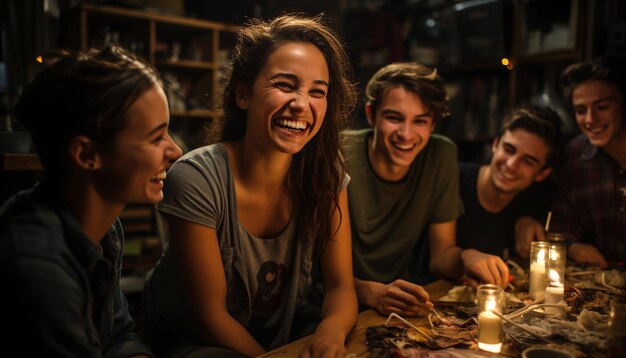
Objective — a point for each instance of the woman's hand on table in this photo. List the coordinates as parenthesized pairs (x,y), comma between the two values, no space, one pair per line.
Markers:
(401,297)
(326,343)
(484,268)
(586,254)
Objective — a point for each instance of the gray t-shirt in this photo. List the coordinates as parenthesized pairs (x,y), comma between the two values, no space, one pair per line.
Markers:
(264,276)
(269,272)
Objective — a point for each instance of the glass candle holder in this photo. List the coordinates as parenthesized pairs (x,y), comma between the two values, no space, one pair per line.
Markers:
(556,238)
(555,277)
(490,299)
(537,275)
(616,338)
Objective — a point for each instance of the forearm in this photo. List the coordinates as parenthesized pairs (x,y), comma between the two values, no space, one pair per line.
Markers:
(224,331)
(339,310)
(448,263)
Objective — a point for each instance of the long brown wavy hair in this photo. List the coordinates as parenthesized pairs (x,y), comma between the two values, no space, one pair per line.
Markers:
(316,172)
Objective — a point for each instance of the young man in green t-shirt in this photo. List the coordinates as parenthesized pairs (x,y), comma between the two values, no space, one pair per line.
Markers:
(405,184)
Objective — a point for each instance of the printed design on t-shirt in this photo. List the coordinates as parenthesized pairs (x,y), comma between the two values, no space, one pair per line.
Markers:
(271,280)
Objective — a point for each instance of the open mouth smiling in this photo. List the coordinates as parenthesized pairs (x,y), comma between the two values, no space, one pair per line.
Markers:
(405,147)
(595,129)
(292,125)
(158,177)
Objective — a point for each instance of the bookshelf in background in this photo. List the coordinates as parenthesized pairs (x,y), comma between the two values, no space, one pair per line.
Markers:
(190,54)
(493,54)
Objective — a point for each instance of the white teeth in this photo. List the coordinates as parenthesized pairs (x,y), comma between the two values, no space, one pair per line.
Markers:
(300,125)
(507,177)
(160,176)
(404,146)
(594,130)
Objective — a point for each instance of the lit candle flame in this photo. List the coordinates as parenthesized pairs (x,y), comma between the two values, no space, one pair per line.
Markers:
(541,257)
(554,255)
(490,305)
(555,278)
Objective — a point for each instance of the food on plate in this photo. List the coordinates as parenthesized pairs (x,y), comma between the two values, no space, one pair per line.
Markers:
(459,294)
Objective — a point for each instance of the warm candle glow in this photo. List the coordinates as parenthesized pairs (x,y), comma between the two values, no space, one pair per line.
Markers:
(490,300)
(555,279)
(537,279)
(554,255)
(489,332)
(554,291)
(541,257)
(554,295)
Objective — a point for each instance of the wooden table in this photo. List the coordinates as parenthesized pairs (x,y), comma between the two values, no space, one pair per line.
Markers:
(356,339)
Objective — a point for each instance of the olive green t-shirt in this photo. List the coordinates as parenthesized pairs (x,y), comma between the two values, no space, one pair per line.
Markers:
(389,218)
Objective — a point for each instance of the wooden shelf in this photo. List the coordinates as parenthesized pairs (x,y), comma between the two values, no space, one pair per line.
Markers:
(10,161)
(172,19)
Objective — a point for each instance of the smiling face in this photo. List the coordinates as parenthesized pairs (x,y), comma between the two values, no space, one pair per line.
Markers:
(287,102)
(133,168)
(519,159)
(402,126)
(599,108)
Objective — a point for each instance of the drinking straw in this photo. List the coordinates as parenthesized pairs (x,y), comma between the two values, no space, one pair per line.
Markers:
(548,220)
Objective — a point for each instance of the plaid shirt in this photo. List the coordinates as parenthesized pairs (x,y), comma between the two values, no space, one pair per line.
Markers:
(591,205)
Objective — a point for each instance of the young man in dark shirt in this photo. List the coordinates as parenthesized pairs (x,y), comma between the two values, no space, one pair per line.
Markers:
(507,199)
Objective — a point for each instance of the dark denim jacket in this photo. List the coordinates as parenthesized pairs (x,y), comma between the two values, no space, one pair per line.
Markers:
(61,294)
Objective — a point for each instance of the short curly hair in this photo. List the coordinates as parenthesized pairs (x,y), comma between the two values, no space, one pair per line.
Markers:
(419,79)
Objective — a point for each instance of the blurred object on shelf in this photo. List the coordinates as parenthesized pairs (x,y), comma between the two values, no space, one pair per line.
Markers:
(175,94)
(549,25)
(13,137)
(15,142)
(425,35)
(428,56)
(486,30)
(3,74)
(548,97)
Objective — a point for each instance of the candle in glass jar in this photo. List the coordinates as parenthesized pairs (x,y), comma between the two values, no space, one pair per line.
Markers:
(537,280)
(554,292)
(537,277)
(489,329)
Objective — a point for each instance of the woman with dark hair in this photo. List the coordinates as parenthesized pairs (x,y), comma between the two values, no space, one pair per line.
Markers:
(270,196)
(99,120)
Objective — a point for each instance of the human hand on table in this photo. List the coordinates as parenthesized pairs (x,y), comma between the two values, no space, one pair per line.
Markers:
(527,230)
(587,254)
(326,343)
(401,297)
(484,268)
